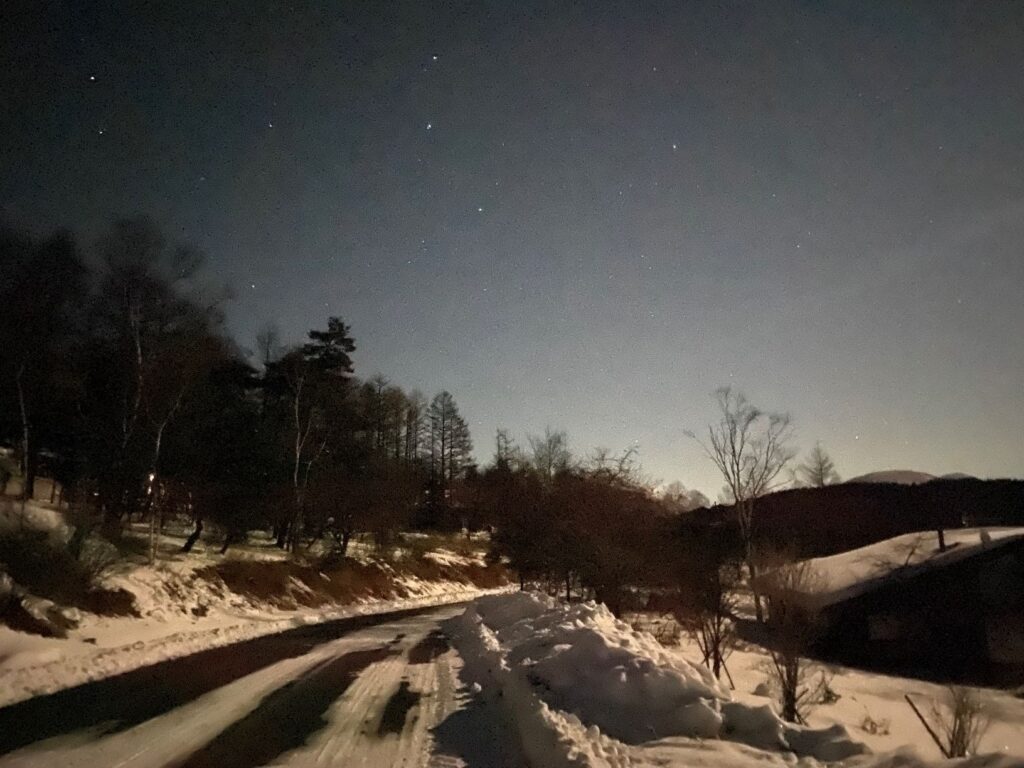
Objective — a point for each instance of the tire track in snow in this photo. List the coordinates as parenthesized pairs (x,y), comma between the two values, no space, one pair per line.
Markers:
(284,720)
(116,704)
(323,708)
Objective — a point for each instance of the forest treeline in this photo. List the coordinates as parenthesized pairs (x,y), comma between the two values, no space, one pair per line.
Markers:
(121,383)
(119,380)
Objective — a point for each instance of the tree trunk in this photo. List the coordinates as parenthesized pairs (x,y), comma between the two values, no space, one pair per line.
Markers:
(111,526)
(758,609)
(281,534)
(748,543)
(346,537)
(295,531)
(193,537)
(27,468)
(151,490)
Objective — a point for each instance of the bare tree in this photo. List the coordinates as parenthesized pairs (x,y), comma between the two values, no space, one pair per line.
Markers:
(964,723)
(956,729)
(145,317)
(623,468)
(818,470)
(793,628)
(549,452)
(750,448)
(708,610)
(507,455)
(268,344)
(415,425)
(681,499)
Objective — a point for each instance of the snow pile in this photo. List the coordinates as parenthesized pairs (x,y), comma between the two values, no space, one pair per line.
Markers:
(584,687)
(849,574)
(18,649)
(34,516)
(599,668)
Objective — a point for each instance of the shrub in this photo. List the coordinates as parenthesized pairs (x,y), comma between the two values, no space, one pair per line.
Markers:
(48,569)
(963,722)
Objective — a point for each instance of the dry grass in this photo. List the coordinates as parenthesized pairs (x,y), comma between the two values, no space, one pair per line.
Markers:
(47,569)
(288,585)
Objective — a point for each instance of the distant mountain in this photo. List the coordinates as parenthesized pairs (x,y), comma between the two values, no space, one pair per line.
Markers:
(957,476)
(900,476)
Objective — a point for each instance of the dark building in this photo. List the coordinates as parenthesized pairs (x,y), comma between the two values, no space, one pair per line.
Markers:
(905,605)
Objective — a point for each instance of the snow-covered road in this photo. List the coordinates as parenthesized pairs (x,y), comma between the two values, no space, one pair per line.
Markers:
(371,691)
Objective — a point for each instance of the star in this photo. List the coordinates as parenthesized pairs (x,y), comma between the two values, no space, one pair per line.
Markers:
(480,209)
(270,125)
(429,126)
(434,58)
(92,78)
(675,147)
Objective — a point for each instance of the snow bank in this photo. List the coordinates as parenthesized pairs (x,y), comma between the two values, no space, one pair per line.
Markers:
(35,516)
(583,687)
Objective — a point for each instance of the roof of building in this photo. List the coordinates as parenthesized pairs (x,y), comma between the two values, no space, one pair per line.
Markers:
(838,578)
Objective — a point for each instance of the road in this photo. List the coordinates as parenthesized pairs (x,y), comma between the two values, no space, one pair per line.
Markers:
(368,691)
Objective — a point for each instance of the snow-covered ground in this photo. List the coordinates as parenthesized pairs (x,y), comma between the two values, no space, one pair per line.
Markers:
(585,689)
(182,610)
(31,665)
(527,681)
(386,695)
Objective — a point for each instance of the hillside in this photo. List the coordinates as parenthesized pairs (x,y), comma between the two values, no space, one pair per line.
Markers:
(823,521)
(901,476)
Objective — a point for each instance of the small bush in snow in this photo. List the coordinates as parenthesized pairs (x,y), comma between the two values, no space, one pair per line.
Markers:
(962,723)
(793,629)
(875,727)
(823,692)
(97,558)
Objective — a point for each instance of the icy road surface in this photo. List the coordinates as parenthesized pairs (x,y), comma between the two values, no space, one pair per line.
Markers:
(367,691)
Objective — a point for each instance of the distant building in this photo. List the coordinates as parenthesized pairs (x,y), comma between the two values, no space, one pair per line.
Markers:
(903,604)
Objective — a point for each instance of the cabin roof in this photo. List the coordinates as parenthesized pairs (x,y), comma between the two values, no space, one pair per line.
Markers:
(840,577)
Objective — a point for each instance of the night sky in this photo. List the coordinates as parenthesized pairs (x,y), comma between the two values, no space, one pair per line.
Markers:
(584,215)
